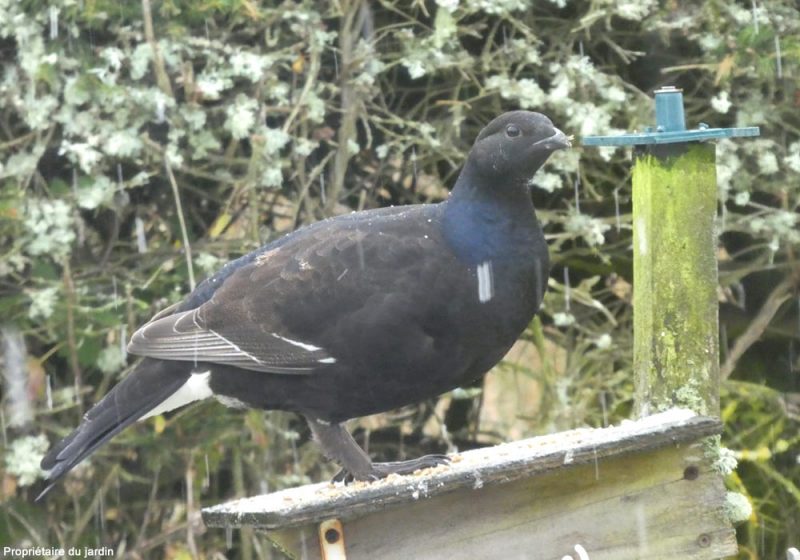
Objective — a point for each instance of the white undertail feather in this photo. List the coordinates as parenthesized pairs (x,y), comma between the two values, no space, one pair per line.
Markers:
(196,388)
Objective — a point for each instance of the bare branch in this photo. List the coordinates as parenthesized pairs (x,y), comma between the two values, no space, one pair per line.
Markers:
(757,326)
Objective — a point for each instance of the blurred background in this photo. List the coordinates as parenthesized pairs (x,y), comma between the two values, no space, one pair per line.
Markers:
(144,144)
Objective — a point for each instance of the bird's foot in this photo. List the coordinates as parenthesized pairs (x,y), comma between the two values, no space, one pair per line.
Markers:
(382,470)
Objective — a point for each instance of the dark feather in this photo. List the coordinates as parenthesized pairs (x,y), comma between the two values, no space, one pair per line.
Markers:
(142,390)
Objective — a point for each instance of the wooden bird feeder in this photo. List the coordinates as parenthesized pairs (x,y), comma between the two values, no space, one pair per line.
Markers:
(648,488)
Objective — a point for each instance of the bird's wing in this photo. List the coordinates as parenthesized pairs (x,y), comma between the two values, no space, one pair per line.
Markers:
(186,336)
(272,314)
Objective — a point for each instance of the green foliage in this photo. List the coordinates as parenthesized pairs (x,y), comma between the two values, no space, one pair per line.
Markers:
(275,114)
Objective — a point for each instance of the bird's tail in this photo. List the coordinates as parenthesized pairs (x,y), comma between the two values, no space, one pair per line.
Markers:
(143,392)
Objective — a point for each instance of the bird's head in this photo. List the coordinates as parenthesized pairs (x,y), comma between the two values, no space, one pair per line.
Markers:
(515,144)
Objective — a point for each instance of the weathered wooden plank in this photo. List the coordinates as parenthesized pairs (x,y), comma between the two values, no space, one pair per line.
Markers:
(473,469)
(644,505)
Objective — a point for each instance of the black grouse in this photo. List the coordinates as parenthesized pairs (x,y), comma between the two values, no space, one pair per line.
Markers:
(353,315)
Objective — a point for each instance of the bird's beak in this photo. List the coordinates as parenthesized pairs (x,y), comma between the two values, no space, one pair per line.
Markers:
(558,141)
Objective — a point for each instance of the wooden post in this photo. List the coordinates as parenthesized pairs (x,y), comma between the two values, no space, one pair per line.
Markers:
(675,322)
(675,310)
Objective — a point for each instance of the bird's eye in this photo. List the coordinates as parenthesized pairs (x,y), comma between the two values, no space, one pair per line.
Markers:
(512,131)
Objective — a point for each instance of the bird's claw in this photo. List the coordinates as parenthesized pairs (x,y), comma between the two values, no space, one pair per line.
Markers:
(382,470)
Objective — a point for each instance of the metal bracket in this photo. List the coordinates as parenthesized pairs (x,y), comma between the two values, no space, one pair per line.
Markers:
(670,126)
(331,540)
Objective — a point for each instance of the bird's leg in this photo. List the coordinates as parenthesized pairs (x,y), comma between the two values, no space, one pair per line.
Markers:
(339,445)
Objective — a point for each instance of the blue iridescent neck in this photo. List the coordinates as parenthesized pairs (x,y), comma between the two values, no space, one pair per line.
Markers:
(488,220)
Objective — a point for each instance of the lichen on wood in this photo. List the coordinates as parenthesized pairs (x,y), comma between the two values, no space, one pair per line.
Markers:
(676,348)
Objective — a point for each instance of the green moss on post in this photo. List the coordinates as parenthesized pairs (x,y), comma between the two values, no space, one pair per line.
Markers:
(676,355)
